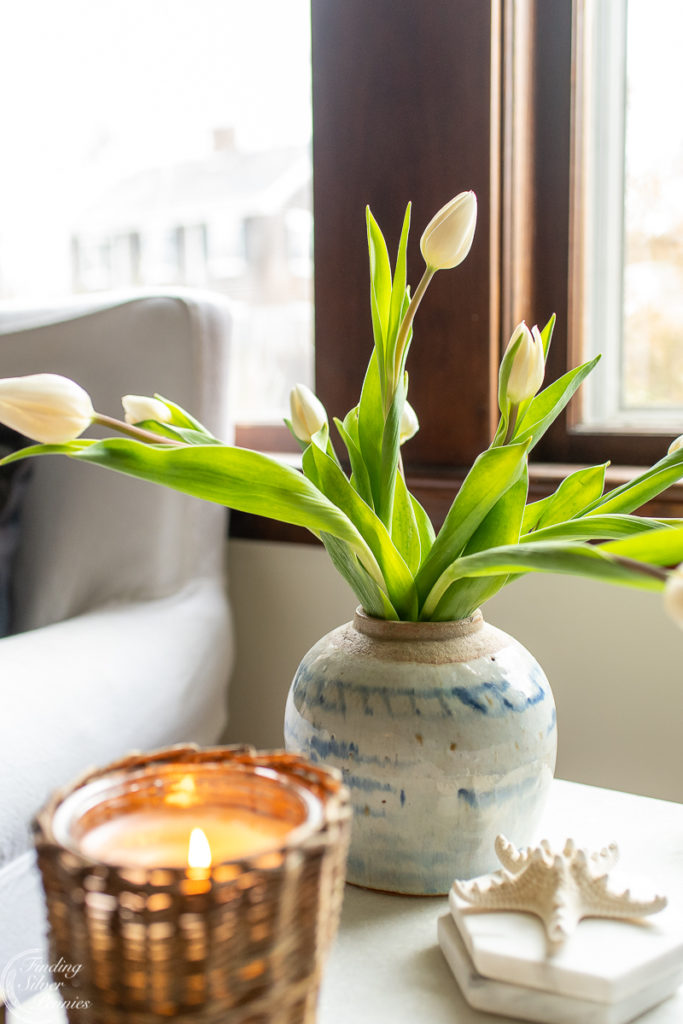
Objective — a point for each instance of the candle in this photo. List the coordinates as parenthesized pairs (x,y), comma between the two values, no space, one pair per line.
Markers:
(160,837)
(147,819)
(195,884)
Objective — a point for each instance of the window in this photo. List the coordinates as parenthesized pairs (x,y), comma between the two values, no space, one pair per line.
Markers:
(418,101)
(410,101)
(580,223)
(165,142)
(629,213)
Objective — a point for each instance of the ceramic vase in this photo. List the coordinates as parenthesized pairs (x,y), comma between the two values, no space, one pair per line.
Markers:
(445,735)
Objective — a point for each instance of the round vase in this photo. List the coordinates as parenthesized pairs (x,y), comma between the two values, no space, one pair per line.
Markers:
(445,735)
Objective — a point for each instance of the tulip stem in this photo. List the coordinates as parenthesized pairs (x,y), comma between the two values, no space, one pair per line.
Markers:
(512,423)
(137,432)
(645,568)
(402,335)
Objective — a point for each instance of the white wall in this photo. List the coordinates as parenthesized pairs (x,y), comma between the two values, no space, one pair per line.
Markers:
(612,657)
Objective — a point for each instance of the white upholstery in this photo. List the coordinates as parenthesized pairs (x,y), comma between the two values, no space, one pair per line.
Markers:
(125,638)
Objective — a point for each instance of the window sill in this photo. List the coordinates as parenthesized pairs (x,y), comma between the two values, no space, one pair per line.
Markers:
(435,490)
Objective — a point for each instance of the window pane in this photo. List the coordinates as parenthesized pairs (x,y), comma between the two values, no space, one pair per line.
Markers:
(630,160)
(165,142)
(653,237)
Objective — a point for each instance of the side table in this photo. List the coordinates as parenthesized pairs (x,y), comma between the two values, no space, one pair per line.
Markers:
(386,966)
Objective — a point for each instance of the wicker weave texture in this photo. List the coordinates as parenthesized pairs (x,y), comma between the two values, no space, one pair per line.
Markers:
(245,945)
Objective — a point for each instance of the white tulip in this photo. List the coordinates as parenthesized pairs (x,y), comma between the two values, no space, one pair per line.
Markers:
(673,596)
(138,408)
(308,414)
(675,445)
(528,364)
(45,407)
(409,424)
(447,238)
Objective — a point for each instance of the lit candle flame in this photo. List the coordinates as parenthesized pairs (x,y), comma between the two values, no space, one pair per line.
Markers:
(199,851)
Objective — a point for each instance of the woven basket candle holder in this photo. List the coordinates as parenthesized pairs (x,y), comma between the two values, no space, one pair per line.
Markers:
(238,934)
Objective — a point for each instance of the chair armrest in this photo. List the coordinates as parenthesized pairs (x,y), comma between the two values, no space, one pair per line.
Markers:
(84,691)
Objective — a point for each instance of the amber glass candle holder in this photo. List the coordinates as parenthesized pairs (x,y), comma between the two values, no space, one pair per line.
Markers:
(240,933)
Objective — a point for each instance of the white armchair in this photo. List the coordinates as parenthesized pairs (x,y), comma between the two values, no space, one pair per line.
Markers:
(124,637)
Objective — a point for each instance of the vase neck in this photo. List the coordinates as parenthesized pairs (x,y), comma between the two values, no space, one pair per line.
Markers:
(389,629)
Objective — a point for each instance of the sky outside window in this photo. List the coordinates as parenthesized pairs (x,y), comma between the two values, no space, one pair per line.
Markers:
(136,140)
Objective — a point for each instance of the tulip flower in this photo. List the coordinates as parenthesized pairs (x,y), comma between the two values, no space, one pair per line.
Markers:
(445,243)
(673,596)
(409,424)
(45,407)
(675,445)
(138,408)
(308,414)
(447,238)
(528,364)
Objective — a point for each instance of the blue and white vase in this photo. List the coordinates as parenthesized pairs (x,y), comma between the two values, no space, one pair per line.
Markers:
(445,734)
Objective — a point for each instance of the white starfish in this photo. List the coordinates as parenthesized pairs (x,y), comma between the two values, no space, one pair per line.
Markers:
(560,888)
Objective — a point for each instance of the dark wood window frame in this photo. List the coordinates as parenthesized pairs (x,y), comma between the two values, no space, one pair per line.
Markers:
(418,101)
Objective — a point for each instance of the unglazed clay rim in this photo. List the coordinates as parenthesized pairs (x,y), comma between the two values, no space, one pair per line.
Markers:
(390,629)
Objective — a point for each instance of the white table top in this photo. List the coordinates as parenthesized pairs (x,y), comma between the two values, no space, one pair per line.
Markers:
(386,966)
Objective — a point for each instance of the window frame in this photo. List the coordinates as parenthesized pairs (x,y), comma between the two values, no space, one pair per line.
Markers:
(556,129)
(420,101)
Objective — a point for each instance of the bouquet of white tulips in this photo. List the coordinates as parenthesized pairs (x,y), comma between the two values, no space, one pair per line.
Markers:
(375,531)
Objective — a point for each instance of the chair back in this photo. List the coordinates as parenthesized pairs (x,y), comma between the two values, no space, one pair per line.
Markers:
(89,536)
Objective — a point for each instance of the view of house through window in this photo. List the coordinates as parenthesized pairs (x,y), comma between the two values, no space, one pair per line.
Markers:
(163,142)
(630,205)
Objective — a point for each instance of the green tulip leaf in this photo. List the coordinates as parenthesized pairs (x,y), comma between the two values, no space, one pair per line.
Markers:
(401,355)
(424,526)
(591,528)
(335,485)
(241,479)
(551,556)
(182,418)
(390,452)
(185,435)
(658,547)
(573,496)
(372,598)
(500,527)
(405,532)
(360,480)
(398,295)
(548,404)
(547,335)
(632,495)
(380,287)
(371,427)
(350,423)
(492,473)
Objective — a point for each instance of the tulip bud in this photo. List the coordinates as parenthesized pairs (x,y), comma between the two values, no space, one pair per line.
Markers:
(308,414)
(138,408)
(409,424)
(673,596)
(45,407)
(528,364)
(675,445)
(447,238)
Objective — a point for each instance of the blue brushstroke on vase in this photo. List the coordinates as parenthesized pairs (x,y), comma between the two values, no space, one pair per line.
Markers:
(493,697)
